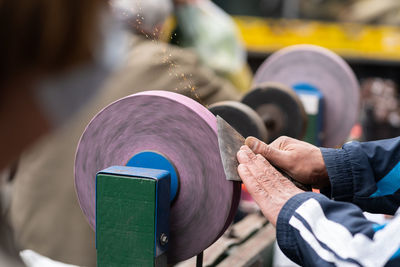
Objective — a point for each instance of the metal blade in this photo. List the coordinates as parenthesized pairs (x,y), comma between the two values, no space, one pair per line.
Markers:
(229,142)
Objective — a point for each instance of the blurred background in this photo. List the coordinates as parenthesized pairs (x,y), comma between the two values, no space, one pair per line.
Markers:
(365,33)
(63,62)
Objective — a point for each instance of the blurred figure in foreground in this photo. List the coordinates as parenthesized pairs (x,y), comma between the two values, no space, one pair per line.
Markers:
(42,43)
(44,210)
(35,55)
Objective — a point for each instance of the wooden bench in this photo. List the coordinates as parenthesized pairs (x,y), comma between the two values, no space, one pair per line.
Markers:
(248,243)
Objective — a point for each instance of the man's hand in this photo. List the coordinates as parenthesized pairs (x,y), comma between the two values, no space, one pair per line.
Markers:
(301,160)
(266,185)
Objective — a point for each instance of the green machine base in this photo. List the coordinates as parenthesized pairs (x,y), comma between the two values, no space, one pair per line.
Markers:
(132,215)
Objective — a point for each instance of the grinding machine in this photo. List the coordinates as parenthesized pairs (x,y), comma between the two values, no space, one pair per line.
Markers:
(148,170)
(326,85)
(303,91)
(150,180)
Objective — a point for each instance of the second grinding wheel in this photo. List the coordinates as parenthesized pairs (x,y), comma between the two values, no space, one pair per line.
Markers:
(186,133)
(241,117)
(280,110)
(325,71)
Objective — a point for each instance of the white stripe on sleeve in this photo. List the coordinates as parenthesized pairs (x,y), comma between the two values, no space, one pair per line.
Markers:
(325,254)
(338,238)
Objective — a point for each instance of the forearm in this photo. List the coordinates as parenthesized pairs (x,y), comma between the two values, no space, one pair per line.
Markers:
(365,174)
(315,231)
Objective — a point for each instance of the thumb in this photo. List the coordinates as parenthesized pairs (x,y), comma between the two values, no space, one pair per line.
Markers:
(272,154)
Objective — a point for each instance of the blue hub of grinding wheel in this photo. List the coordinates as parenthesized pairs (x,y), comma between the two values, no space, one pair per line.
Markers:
(306,87)
(155,160)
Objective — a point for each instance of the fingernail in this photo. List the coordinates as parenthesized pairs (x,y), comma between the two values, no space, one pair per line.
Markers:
(245,149)
(251,142)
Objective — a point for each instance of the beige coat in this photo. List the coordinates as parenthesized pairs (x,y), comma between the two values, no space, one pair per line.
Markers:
(45,213)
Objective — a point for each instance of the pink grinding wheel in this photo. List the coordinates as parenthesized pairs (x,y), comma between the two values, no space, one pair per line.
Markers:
(326,71)
(184,131)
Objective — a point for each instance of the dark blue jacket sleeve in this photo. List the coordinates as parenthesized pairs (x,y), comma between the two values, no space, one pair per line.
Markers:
(366,174)
(313,230)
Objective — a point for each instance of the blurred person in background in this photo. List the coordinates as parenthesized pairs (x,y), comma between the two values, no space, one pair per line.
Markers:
(213,35)
(43,42)
(177,69)
(45,213)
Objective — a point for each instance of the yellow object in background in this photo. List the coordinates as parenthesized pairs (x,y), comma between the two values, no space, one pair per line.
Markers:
(350,40)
